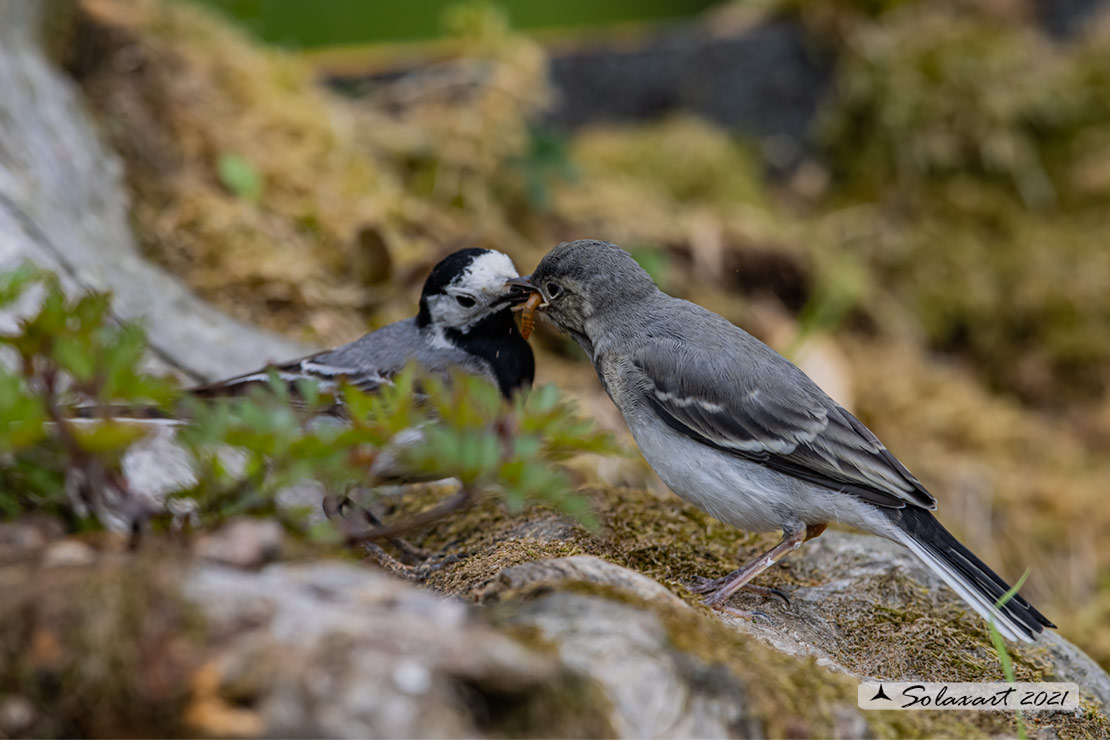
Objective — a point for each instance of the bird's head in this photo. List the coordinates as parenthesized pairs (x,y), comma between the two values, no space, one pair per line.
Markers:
(583,279)
(467,287)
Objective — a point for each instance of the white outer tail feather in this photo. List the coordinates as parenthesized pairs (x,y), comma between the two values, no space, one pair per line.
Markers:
(974,598)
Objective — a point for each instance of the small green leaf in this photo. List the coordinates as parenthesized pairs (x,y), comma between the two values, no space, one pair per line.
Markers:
(107,437)
(240,177)
(75,357)
(15,282)
(309,391)
(542,399)
(22,414)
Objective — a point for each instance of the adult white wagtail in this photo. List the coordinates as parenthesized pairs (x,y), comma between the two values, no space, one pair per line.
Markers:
(465,322)
(738,430)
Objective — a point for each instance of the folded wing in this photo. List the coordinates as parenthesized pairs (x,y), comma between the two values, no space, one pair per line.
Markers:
(774,415)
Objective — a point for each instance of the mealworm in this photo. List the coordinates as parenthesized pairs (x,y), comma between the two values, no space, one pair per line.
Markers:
(528,315)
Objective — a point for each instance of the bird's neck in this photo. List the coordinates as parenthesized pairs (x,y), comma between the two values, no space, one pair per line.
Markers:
(496,340)
(616,324)
(424,317)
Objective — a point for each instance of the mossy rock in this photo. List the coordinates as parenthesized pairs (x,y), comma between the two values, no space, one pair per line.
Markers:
(860,606)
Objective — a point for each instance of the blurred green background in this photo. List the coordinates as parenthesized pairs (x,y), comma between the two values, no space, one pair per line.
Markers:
(299,24)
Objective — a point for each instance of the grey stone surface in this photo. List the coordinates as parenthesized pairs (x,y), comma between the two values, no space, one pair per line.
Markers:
(62,206)
(701,69)
(1067,19)
(335,650)
(655,690)
(157,464)
(338,649)
(404,648)
(243,543)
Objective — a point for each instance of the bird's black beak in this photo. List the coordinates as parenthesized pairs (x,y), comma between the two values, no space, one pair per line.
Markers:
(522,289)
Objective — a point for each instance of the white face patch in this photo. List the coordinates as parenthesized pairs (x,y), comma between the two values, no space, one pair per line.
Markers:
(467,299)
(488,272)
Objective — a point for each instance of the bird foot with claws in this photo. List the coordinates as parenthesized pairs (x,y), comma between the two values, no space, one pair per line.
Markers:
(708,586)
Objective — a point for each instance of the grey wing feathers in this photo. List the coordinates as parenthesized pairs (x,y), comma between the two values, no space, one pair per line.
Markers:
(772,414)
(313,367)
(367,363)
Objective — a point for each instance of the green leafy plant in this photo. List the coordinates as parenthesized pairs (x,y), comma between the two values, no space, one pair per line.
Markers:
(68,350)
(246,450)
(421,428)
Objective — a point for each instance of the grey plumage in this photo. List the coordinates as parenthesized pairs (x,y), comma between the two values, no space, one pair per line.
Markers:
(738,430)
(365,363)
(464,324)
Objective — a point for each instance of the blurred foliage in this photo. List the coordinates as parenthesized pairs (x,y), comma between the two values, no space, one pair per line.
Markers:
(68,350)
(429,429)
(196,165)
(689,160)
(842,284)
(679,182)
(654,260)
(246,450)
(545,162)
(460,132)
(985,146)
(950,95)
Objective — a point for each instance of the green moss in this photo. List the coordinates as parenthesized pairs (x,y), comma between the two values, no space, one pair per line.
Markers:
(905,631)
(687,159)
(1023,297)
(339,218)
(484,537)
(658,536)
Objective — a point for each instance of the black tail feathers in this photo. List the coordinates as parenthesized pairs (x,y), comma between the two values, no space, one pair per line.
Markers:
(969,576)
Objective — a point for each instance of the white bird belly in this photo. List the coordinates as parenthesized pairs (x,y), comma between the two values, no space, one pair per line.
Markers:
(743,493)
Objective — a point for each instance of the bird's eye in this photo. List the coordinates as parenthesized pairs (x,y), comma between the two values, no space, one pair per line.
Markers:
(465,301)
(553,290)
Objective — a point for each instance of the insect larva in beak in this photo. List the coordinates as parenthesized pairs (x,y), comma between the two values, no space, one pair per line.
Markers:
(528,315)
